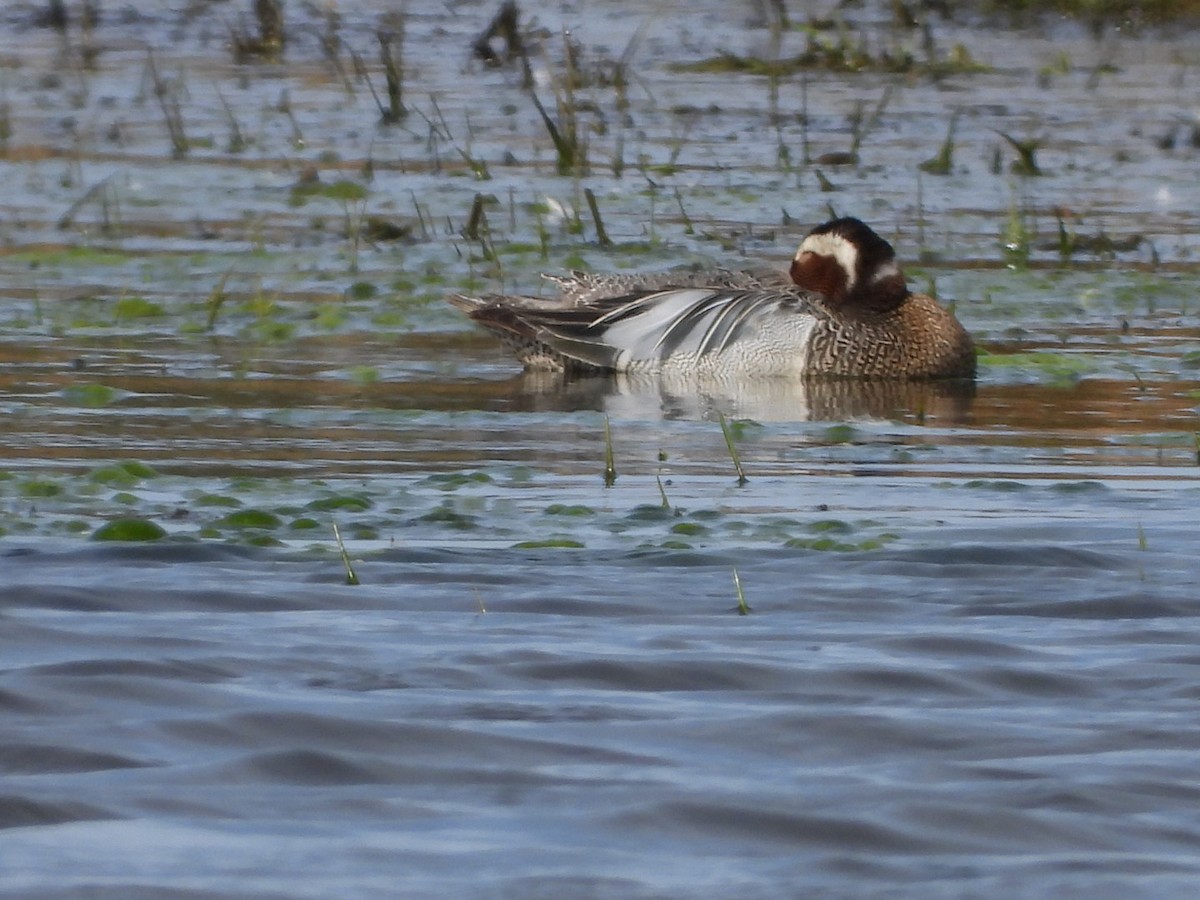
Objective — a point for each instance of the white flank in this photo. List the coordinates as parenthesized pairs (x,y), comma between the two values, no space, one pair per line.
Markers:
(836,247)
(669,331)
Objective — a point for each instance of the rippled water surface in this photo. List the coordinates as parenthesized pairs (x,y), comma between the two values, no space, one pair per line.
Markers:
(940,641)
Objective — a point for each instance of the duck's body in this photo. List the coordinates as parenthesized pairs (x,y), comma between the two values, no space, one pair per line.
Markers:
(845,313)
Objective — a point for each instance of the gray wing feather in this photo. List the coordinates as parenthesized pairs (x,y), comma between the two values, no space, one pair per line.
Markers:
(687,321)
(584,288)
(601,321)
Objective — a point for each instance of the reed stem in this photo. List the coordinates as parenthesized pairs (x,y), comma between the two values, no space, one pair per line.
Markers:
(733,454)
(351,578)
(610,468)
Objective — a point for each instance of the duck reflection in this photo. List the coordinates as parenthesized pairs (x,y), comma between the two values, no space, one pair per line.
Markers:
(630,396)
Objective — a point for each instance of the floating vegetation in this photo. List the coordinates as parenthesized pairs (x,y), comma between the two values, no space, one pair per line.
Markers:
(91,396)
(355,397)
(251,518)
(1003,485)
(137,308)
(131,529)
(447,516)
(122,474)
(1057,368)
(1070,242)
(40,489)
(549,543)
(218,500)
(840,434)
(452,481)
(647,512)
(835,54)
(310,185)
(573,510)
(829,544)
(831,526)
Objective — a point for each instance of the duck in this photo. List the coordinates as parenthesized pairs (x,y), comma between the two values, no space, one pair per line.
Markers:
(843,309)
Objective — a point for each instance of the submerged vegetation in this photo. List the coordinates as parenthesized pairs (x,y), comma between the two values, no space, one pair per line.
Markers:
(131,502)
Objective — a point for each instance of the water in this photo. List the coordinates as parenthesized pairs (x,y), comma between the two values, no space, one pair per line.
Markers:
(1009,710)
(969,660)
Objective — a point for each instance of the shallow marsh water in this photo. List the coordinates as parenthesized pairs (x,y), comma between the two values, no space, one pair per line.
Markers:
(970,663)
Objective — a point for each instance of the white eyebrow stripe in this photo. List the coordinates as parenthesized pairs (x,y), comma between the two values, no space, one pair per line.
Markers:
(887,270)
(837,247)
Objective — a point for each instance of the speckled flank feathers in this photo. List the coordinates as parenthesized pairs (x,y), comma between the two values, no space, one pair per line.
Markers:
(846,312)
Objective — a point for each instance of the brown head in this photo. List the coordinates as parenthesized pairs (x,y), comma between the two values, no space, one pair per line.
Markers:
(877,328)
(852,266)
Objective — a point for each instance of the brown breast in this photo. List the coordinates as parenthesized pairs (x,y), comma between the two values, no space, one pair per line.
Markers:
(919,339)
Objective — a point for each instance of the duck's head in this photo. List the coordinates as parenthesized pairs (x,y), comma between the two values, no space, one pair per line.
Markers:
(851,265)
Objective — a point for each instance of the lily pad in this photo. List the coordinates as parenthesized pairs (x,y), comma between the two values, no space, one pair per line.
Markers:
(131,529)
(251,518)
